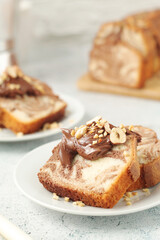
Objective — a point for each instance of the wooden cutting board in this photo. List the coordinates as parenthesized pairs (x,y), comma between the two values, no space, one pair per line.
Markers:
(151,90)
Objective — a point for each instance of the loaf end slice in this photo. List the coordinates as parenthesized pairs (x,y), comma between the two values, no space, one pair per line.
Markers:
(148,153)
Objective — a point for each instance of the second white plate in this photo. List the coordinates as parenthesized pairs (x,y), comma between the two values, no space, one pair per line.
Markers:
(74,113)
(26,179)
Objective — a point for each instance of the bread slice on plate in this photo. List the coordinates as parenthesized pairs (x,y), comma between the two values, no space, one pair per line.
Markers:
(148,152)
(26,104)
(95,163)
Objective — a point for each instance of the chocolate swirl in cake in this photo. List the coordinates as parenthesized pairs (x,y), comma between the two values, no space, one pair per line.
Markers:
(92,142)
(13,82)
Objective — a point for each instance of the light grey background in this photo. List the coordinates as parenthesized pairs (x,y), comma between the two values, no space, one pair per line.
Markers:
(60,57)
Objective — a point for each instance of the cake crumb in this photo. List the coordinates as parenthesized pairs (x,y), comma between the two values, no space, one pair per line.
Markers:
(48,126)
(146,190)
(134,193)
(128,203)
(78,203)
(126,199)
(71,120)
(55,196)
(81,204)
(129,194)
(19,134)
(66,199)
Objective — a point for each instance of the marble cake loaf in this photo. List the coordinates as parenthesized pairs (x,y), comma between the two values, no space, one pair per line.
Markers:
(148,153)
(95,163)
(127,52)
(26,104)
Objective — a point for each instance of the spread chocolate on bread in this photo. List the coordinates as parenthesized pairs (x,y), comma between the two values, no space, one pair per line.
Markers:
(13,82)
(91,141)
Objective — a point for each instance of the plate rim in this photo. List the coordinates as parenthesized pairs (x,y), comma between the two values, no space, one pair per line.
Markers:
(72,211)
(53,132)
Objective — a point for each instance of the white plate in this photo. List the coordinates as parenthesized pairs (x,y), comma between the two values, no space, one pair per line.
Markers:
(26,179)
(74,113)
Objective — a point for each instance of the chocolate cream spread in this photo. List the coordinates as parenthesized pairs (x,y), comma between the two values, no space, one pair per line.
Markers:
(12,87)
(70,145)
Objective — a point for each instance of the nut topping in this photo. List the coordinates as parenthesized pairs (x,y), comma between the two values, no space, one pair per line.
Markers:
(107,127)
(117,136)
(72,133)
(96,119)
(96,136)
(131,127)
(81,131)
(12,71)
(13,86)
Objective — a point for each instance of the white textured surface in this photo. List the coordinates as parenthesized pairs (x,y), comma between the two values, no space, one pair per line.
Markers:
(67,62)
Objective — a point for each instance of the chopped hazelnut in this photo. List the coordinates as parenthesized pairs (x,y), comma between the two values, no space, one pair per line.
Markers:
(121,126)
(93,120)
(27,79)
(81,131)
(95,136)
(94,142)
(117,136)
(19,134)
(131,127)
(79,204)
(55,196)
(66,199)
(145,190)
(126,198)
(13,86)
(129,194)
(72,133)
(39,87)
(134,193)
(101,135)
(12,71)
(54,125)
(4,76)
(100,131)
(105,134)
(107,127)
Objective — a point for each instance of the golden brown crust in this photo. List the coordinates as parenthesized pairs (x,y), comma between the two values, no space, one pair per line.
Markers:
(12,123)
(149,176)
(105,200)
